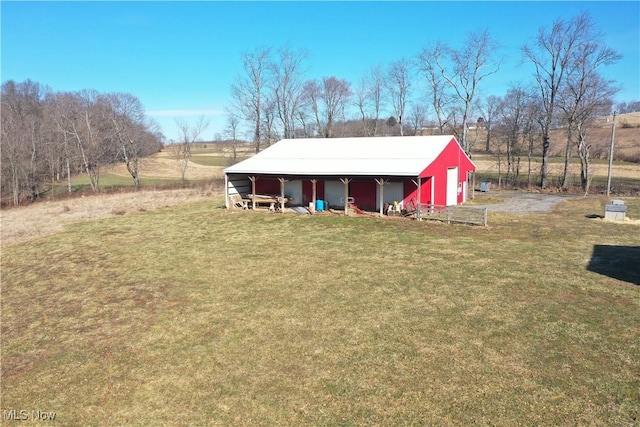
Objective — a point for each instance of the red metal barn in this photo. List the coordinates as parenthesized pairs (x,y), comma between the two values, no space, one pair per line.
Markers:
(370,173)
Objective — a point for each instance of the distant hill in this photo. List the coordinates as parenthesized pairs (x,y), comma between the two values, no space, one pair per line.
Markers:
(627,139)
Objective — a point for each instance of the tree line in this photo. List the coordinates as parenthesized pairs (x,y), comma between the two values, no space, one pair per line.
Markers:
(438,88)
(48,136)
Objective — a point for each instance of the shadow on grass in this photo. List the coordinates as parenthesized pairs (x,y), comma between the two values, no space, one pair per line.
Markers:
(618,262)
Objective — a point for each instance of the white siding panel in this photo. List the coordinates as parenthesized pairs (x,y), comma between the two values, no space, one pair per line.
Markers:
(393,191)
(333,193)
(240,186)
(293,189)
(464,191)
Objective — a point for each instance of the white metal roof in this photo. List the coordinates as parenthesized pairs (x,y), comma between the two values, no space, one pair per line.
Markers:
(393,156)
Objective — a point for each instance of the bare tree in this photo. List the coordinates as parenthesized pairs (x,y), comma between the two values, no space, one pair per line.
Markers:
(63,106)
(12,143)
(628,107)
(361,100)
(248,91)
(439,99)
(368,100)
(584,99)
(327,101)
(512,117)
(130,131)
(585,94)
(417,117)
(86,121)
(287,87)
(489,108)
(23,148)
(56,143)
(188,135)
(469,66)
(336,93)
(375,89)
(231,131)
(50,135)
(551,55)
(595,102)
(268,120)
(398,84)
(312,94)
(531,130)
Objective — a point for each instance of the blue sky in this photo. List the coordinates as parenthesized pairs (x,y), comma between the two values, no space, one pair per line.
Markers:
(180,58)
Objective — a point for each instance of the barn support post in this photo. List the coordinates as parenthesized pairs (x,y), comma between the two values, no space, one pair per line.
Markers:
(473,185)
(418,183)
(313,193)
(433,192)
(226,191)
(419,207)
(253,180)
(381,182)
(282,181)
(346,182)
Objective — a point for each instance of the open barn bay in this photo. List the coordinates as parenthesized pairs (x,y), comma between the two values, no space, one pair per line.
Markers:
(196,315)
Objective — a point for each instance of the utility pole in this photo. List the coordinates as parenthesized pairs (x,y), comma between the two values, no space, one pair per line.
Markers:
(613,138)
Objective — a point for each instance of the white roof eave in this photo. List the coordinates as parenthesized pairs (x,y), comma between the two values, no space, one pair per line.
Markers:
(378,156)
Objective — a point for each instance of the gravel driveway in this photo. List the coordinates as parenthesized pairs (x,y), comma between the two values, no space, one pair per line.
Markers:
(516,202)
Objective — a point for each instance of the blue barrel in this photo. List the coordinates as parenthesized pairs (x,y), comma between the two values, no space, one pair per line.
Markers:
(319,205)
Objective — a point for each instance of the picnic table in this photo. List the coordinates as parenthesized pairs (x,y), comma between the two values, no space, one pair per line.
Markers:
(263,199)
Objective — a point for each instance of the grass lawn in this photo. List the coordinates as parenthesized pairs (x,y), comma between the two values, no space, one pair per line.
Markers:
(205,160)
(196,315)
(219,159)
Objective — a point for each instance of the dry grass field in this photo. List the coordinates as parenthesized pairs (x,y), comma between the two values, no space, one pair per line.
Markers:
(627,138)
(195,315)
(163,165)
(164,308)
(50,217)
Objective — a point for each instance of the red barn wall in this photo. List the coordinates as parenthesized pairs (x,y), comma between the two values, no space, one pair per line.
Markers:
(267,186)
(364,194)
(451,156)
(411,192)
